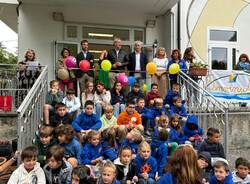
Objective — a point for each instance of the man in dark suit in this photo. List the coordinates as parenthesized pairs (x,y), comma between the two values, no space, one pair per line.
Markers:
(84,77)
(137,63)
(119,60)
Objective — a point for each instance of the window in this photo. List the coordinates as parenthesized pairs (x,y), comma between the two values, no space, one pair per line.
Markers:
(138,35)
(223,35)
(72,31)
(219,58)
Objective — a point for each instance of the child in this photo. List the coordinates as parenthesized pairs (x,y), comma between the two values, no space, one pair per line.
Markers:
(146,115)
(117,98)
(146,164)
(135,94)
(159,149)
(108,174)
(162,124)
(171,94)
(88,94)
(178,109)
(133,139)
(62,117)
(130,117)
(44,142)
(53,97)
(192,131)
(158,110)
(81,175)
(212,143)
(102,98)
(91,153)
(222,174)
(65,135)
(125,166)
(242,176)
(176,134)
(57,170)
(29,171)
(204,162)
(108,119)
(87,121)
(72,102)
(154,93)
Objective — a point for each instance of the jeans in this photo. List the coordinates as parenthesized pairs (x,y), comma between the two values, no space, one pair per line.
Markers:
(148,181)
(98,110)
(118,109)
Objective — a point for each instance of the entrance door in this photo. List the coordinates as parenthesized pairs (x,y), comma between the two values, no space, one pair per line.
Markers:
(222,57)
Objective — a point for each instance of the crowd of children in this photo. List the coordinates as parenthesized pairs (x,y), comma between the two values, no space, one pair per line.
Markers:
(124,138)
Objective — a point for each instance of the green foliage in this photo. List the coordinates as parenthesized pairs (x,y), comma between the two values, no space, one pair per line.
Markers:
(7,58)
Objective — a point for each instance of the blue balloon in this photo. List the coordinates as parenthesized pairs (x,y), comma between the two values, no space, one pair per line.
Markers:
(131,81)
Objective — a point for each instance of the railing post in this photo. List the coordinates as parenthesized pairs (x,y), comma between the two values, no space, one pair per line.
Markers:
(226,133)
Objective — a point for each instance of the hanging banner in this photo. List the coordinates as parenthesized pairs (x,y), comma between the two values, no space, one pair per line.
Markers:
(229,85)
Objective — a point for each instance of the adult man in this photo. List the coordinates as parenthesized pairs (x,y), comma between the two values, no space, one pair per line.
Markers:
(84,77)
(137,63)
(118,58)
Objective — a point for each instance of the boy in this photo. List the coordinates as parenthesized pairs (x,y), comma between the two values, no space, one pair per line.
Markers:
(29,171)
(212,144)
(241,176)
(146,115)
(57,170)
(178,109)
(72,102)
(44,142)
(130,117)
(171,94)
(135,94)
(146,164)
(222,174)
(154,93)
(204,163)
(53,97)
(87,120)
(108,119)
(192,131)
(61,116)
(158,110)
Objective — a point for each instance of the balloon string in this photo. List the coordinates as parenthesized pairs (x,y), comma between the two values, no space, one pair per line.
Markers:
(141,71)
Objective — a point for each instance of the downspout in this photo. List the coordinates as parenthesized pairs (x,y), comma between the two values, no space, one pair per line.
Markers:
(179,25)
(17,8)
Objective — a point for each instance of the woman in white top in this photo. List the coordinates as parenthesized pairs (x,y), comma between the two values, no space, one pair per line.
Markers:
(160,77)
(88,94)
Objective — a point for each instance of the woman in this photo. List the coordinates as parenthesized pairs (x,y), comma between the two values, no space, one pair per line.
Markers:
(189,56)
(176,58)
(160,76)
(244,63)
(69,83)
(183,167)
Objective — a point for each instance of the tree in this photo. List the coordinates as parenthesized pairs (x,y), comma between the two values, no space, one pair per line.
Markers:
(6,57)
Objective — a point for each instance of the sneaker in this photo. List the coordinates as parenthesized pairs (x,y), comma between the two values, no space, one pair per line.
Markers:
(147,133)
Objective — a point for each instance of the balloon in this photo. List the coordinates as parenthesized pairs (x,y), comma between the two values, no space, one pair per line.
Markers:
(123,79)
(84,65)
(145,88)
(174,68)
(151,68)
(70,62)
(63,74)
(131,81)
(106,65)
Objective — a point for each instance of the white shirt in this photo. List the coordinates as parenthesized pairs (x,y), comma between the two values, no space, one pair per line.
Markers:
(137,62)
(85,54)
(161,63)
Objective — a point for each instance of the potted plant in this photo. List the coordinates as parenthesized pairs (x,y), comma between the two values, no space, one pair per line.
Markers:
(198,69)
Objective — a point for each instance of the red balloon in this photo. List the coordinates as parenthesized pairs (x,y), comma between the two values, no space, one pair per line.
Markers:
(84,65)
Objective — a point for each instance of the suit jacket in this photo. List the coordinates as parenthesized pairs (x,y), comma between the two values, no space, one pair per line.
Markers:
(79,57)
(132,62)
(122,57)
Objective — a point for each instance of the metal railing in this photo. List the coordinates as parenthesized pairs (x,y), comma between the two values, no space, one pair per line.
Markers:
(30,112)
(210,111)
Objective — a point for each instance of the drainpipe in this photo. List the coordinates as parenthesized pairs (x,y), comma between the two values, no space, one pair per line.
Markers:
(179,25)
(17,8)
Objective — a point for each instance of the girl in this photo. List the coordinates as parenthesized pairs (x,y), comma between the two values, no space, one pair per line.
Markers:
(126,168)
(108,119)
(176,134)
(88,94)
(160,76)
(162,123)
(183,167)
(65,135)
(108,174)
(146,164)
(189,56)
(81,175)
(117,98)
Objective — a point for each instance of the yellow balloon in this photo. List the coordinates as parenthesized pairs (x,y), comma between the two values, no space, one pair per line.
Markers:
(151,68)
(106,65)
(174,68)
(63,74)
(145,88)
